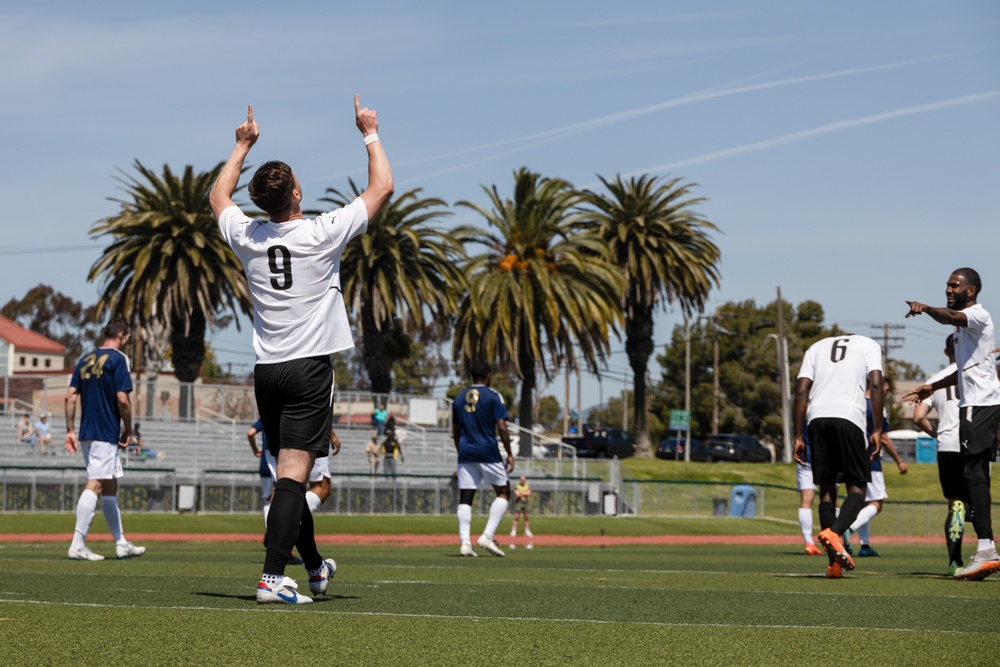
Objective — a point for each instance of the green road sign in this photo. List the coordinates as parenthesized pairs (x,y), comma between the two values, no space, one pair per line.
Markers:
(680,420)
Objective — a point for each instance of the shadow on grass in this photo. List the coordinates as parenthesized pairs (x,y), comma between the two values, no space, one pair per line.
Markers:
(253,598)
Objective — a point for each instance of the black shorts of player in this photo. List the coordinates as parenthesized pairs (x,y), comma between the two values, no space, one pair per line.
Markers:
(294,399)
(951,474)
(977,429)
(839,448)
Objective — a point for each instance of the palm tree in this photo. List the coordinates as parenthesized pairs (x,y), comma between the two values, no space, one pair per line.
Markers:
(402,270)
(168,264)
(663,250)
(539,287)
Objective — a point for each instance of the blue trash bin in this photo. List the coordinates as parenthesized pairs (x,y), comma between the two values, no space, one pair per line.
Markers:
(743,501)
(926,450)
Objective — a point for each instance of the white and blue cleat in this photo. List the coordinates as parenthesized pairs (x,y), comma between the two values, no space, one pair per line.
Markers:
(319,582)
(284,593)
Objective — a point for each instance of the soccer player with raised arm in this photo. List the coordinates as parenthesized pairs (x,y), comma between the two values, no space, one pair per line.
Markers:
(292,265)
(102,381)
(979,403)
(831,383)
(478,415)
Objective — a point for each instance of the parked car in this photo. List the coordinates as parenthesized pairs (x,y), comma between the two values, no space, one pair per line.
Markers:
(737,447)
(603,443)
(673,449)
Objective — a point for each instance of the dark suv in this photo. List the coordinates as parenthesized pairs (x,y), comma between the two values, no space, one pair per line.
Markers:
(603,443)
(737,447)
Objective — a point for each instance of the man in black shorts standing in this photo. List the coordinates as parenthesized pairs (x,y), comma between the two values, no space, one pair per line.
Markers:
(832,383)
(292,265)
(979,403)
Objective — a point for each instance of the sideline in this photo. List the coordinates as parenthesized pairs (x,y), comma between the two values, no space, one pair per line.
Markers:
(449,539)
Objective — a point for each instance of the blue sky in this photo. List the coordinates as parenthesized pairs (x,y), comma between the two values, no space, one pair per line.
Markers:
(848,151)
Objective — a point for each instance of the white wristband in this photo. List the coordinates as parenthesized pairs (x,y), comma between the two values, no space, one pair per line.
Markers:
(371,138)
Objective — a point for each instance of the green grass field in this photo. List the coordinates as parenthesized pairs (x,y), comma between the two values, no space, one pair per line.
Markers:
(193,602)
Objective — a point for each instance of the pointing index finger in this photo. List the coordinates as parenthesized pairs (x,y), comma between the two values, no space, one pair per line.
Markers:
(249,113)
(357,103)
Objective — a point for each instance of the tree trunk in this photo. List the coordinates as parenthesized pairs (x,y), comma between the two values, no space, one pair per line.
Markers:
(639,347)
(376,353)
(527,366)
(188,344)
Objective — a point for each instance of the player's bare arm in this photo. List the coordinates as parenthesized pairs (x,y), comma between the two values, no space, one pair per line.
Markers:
(920,420)
(878,405)
(252,439)
(940,315)
(802,387)
(889,447)
(71,441)
(925,390)
(380,185)
(125,410)
(505,441)
(221,196)
(334,443)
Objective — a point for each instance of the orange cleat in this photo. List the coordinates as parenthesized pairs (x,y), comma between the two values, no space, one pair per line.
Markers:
(813,550)
(832,541)
(834,571)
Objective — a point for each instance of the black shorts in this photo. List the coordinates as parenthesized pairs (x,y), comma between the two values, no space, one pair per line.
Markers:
(951,474)
(295,400)
(978,434)
(839,450)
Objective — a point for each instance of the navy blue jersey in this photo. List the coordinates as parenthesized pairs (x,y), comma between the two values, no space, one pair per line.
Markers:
(869,426)
(476,411)
(98,377)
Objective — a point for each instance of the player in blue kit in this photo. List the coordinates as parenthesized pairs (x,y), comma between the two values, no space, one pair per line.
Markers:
(102,381)
(478,415)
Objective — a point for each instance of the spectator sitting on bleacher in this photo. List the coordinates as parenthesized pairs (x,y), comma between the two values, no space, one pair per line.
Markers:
(26,432)
(42,433)
(137,451)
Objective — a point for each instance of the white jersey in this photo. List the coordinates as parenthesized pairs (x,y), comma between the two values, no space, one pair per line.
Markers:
(838,367)
(945,403)
(977,374)
(293,269)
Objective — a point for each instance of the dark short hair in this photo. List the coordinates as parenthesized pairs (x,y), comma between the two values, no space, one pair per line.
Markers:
(479,370)
(971,276)
(949,342)
(115,326)
(271,187)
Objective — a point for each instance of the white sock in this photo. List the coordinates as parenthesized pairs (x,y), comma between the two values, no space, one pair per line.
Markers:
(806,524)
(464,522)
(267,510)
(86,507)
(313,501)
(113,515)
(984,545)
(860,525)
(498,510)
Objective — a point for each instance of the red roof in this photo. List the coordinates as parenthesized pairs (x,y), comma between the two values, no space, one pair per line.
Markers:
(25,340)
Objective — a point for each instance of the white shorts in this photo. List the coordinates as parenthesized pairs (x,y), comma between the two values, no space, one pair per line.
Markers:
(266,487)
(320,469)
(804,477)
(471,475)
(876,488)
(102,460)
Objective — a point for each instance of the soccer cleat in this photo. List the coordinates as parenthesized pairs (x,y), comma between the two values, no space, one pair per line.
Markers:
(128,550)
(84,553)
(866,551)
(954,567)
(467,550)
(528,533)
(834,571)
(956,527)
(283,593)
(813,550)
(319,582)
(848,547)
(980,566)
(831,541)
(513,532)
(491,546)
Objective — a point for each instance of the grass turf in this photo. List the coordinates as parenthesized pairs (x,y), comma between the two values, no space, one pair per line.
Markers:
(193,602)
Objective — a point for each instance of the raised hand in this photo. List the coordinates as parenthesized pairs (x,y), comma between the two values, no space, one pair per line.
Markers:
(366,119)
(248,132)
(916,308)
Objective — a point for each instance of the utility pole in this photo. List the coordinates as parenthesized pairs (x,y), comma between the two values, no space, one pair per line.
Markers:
(625,403)
(786,422)
(687,386)
(579,402)
(715,377)
(889,342)
(566,404)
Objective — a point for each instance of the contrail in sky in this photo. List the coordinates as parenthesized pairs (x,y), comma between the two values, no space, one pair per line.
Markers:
(821,130)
